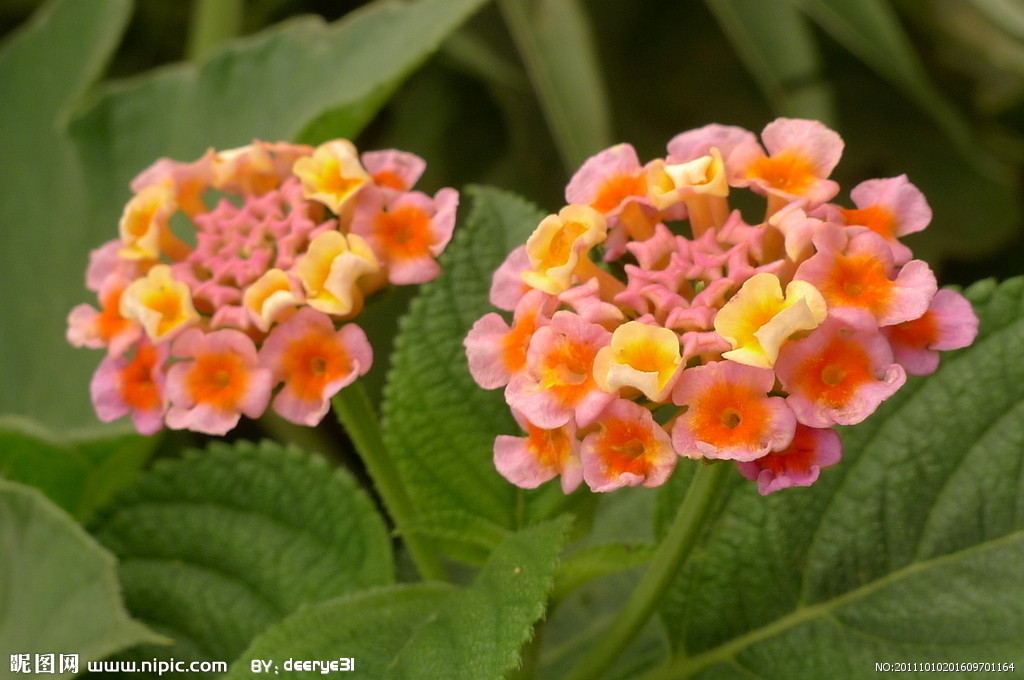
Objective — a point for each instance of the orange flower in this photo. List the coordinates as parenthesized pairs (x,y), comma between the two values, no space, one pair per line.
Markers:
(314,361)
(840,373)
(729,413)
(220,380)
(627,449)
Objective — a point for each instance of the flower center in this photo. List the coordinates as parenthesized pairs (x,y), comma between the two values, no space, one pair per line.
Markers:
(731,418)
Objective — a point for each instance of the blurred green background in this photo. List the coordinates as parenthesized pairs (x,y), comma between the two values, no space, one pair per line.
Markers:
(517,96)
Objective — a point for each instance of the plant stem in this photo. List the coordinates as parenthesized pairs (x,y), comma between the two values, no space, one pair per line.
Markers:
(359,418)
(671,554)
(213,22)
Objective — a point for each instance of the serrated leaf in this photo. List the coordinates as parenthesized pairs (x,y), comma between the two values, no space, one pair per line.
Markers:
(427,630)
(477,535)
(437,422)
(220,544)
(556,43)
(477,633)
(778,47)
(42,204)
(370,627)
(60,590)
(909,549)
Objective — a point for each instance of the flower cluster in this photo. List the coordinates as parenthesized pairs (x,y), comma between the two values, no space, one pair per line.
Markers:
(230,284)
(651,321)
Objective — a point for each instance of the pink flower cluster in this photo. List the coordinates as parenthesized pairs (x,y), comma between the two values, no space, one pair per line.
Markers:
(651,320)
(230,284)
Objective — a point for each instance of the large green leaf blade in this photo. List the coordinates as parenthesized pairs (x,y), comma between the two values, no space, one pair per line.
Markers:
(220,544)
(60,590)
(909,549)
(426,630)
(77,475)
(437,422)
(478,632)
(370,627)
(44,69)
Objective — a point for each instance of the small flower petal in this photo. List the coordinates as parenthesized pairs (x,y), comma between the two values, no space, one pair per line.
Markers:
(628,449)
(332,174)
(729,413)
(560,245)
(160,303)
(540,456)
(314,361)
(557,384)
(641,356)
(798,464)
(219,381)
(331,272)
(759,319)
(949,323)
(840,373)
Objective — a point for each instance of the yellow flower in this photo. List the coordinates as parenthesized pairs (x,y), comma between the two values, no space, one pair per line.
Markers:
(269,296)
(559,247)
(145,225)
(161,304)
(758,319)
(331,271)
(642,356)
(332,175)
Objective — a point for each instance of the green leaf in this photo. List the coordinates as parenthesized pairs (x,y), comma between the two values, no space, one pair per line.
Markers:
(908,550)
(369,626)
(43,201)
(438,424)
(77,476)
(556,43)
(60,587)
(478,632)
(778,47)
(220,544)
(871,30)
(30,455)
(425,630)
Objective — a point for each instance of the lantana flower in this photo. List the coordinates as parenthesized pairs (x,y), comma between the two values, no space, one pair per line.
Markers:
(541,455)
(255,307)
(729,413)
(652,322)
(628,448)
(314,361)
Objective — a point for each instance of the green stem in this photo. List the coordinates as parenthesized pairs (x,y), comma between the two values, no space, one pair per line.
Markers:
(213,22)
(671,554)
(359,418)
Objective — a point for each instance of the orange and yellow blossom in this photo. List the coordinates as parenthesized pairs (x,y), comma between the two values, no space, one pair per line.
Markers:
(161,304)
(758,319)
